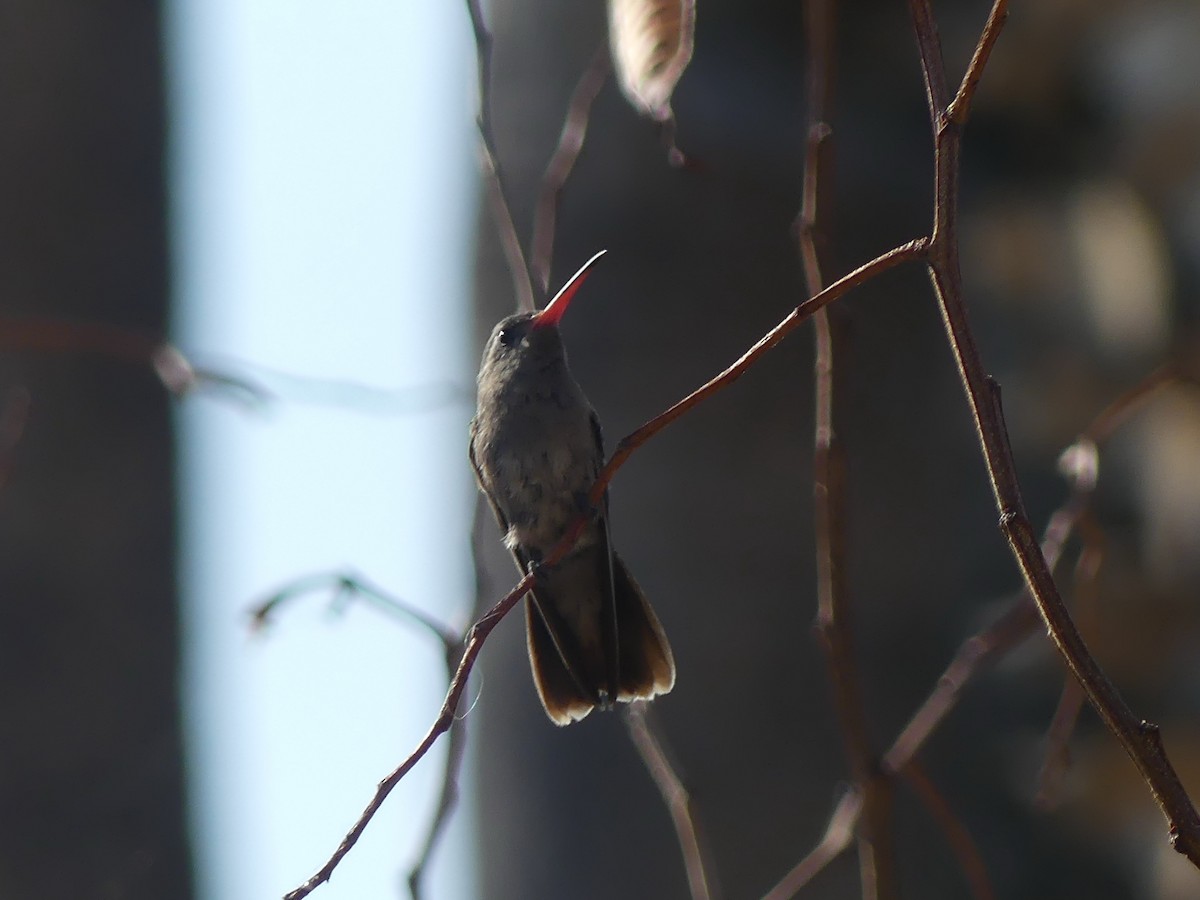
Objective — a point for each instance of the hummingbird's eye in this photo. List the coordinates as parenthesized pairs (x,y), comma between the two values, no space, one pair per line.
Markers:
(507,336)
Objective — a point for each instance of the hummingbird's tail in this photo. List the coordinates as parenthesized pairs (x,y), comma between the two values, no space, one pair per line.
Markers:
(644,667)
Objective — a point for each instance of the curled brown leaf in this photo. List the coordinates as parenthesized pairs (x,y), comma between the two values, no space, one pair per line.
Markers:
(651,43)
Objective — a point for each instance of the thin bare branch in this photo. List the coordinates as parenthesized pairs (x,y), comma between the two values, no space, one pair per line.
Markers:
(1080,463)
(960,107)
(352,585)
(699,865)
(457,737)
(929,45)
(1140,738)
(983,649)
(446,717)
(1129,402)
(1057,758)
(490,161)
(558,170)
(910,252)
(973,656)
(838,835)
(507,231)
(1021,619)
(167,362)
(834,613)
(448,797)
(957,835)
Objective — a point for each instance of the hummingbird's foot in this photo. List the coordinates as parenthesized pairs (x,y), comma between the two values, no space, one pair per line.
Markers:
(537,569)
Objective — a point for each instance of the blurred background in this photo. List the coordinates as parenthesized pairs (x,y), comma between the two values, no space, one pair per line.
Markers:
(288,190)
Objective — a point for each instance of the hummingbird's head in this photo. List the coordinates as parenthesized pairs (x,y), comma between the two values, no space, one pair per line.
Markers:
(530,342)
(518,345)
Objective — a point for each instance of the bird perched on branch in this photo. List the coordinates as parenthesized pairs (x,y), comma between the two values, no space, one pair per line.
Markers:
(536,449)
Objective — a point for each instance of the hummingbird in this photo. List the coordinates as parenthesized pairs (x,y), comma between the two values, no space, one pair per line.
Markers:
(536,448)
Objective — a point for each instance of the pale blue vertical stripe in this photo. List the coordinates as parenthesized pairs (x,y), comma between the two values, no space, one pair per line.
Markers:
(321,170)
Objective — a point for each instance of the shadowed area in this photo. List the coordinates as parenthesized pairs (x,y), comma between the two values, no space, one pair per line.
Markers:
(91,781)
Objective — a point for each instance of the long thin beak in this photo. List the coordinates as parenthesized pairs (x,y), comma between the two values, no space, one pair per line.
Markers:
(555,308)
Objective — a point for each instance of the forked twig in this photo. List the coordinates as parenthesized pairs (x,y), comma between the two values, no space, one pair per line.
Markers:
(1081,466)
(1080,463)
(1021,620)
(531,278)
(347,585)
(961,104)
(698,864)
(445,719)
(1140,738)
(353,585)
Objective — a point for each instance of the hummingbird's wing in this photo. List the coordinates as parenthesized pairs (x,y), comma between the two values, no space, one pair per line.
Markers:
(608,615)
(640,663)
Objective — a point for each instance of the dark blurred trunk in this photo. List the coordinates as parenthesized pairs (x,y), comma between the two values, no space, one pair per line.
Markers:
(715,516)
(91,775)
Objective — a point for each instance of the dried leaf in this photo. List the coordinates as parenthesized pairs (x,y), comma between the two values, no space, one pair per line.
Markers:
(651,44)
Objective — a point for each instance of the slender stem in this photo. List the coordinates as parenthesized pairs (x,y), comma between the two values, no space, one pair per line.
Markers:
(493,176)
(1057,757)
(355,585)
(960,106)
(1131,401)
(970,860)
(174,370)
(570,143)
(698,864)
(910,252)
(974,655)
(834,612)
(448,796)
(838,834)
(1019,622)
(1140,738)
(458,684)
